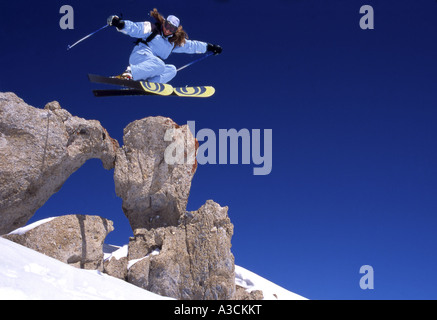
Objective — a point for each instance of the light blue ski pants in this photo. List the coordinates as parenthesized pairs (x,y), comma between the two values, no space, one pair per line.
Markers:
(146,66)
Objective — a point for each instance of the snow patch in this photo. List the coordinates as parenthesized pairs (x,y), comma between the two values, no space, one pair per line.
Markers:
(23,230)
(251,281)
(132,262)
(110,252)
(29,275)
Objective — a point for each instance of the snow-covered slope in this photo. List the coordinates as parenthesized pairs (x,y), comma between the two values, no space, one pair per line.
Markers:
(27,274)
(251,281)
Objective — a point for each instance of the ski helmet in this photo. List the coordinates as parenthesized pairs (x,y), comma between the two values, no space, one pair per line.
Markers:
(174,20)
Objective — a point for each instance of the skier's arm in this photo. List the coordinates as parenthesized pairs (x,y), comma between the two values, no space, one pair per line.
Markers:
(136,29)
(133,29)
(192,46)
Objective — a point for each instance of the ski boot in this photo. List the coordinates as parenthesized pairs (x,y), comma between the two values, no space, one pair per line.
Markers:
(126,75)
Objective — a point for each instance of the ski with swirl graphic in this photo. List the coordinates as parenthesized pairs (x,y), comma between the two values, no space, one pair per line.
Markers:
(136,88)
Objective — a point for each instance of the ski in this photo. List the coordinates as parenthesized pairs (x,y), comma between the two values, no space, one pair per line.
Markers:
(150,87)
(136,88)
(120,92)
(197,92)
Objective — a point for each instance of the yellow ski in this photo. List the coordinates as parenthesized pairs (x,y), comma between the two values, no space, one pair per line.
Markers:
(200,92)
(157,88)
(138,88)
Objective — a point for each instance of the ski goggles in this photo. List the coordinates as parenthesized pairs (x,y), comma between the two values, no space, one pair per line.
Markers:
(170,27)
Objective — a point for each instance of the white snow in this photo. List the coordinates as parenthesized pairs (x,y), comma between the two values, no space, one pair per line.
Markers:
(251,281)
(24,229)
(110,252)
(132,262)
(120,252)
(27,274)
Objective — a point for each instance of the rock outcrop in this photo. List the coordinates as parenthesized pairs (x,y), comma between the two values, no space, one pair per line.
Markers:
(116,265)
(39,150)
(174,253)
(74,239)
(153,172)
(192,261)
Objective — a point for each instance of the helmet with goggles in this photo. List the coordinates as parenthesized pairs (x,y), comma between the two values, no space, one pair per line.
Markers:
(172,23)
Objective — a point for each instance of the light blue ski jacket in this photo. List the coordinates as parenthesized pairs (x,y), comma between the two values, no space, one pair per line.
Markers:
(159,46)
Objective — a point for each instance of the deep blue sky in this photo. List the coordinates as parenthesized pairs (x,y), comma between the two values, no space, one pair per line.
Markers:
(353,114)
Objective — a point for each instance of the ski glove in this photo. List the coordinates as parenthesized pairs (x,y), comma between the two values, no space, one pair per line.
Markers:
(215,48)
(116,22)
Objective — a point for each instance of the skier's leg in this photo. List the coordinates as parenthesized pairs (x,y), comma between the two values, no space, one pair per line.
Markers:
(145,66)
(168,74)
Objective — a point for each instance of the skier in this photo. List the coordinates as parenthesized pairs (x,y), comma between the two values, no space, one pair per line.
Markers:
(155,43)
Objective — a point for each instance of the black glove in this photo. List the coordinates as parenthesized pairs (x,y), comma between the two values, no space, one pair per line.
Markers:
(116,22)
(214,48)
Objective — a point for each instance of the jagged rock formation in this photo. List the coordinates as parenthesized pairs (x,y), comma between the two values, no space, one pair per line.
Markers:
(39,150)
(74,239)
(180,255)
(190,261)
(175,253)
(155,190)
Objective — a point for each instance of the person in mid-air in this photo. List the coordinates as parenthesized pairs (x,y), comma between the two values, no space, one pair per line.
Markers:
(156,41)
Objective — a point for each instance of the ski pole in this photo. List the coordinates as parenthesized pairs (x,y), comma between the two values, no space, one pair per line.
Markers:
(197,60)
(86,37)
